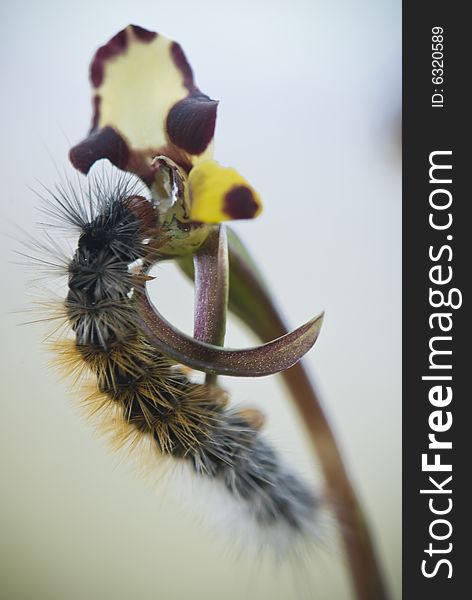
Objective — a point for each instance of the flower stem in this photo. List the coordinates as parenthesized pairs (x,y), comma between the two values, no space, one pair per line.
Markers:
(211,291)
(251,301)
(358,546)
(266,322)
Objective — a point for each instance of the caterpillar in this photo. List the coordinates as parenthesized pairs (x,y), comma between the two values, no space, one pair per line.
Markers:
(147,395)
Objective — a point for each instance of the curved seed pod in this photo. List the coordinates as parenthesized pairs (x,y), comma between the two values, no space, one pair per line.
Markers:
(272,357)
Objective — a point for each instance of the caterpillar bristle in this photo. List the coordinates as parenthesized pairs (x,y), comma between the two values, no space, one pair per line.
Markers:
(68,359)
(140,399)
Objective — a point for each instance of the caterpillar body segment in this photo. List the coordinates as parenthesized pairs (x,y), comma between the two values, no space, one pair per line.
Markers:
(119,240)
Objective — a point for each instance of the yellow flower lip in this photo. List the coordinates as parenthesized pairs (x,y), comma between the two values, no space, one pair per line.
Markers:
(147,105)
(221,194)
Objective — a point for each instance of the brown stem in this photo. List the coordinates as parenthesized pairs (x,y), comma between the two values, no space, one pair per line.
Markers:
(359,549)
(211,291)
(250,300)
(266,321)
(365,570)
(366,574)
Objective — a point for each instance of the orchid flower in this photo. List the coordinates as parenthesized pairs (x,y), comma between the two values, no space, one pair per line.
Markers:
(150,119)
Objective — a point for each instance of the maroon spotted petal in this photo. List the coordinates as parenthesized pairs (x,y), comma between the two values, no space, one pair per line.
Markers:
(135,116)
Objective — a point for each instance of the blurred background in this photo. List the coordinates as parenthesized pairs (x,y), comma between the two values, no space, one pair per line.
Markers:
(310,100)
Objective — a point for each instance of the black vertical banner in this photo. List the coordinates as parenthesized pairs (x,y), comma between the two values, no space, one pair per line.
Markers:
(437,360)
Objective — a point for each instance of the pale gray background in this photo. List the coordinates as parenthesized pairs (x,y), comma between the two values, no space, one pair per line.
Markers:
(310,113)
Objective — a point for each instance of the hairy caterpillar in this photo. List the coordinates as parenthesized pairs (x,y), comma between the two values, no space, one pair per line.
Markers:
(146,393)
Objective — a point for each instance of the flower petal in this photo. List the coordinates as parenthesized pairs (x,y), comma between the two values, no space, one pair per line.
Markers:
(221,194)
(146,104)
